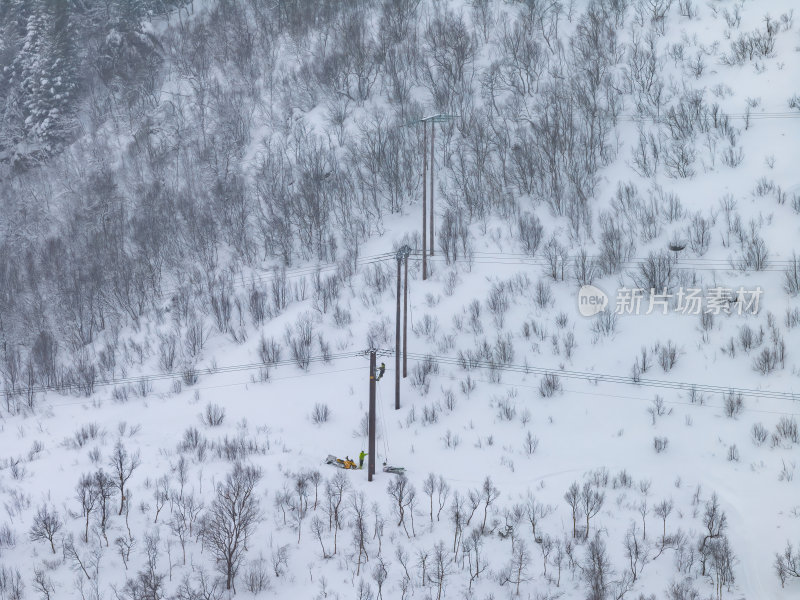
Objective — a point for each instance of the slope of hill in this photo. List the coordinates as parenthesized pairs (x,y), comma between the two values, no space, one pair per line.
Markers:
(191,278)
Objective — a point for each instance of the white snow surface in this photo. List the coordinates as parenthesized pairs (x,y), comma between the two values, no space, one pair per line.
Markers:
(586,427)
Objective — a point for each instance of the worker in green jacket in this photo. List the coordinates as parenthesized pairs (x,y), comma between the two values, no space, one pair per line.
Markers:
(361,459)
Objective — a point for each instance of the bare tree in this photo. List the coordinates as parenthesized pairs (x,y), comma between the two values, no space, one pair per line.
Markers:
(72,554)
(489,493)
(46,525)
(401,491)
(591,502)
(231,519)
(357,505)
(123,464)
(161,494)
(380,574)
(429,487)
(517,571)
(318,528)
(105,490)
(458,519)
(535,511)
(473,549)
(335,490)
(86,494)
(787,564)
(442,493)
(716,522)
(597,570)
(149,581)
(42,583)
(663,510)
(441,568)
(637,551)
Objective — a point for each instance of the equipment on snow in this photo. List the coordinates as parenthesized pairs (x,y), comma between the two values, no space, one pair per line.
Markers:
(342,463)
(394,470)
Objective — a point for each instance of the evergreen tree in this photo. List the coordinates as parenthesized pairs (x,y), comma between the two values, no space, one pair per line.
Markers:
(48,66)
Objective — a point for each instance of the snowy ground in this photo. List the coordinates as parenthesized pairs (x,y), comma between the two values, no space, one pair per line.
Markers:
(587,431)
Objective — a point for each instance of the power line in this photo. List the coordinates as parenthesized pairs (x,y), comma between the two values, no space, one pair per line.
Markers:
(233,384)
(693,264)
(454,361)
(295,273)
(638,118)
(493,258)
(607,378)
(704,404)
(234,368)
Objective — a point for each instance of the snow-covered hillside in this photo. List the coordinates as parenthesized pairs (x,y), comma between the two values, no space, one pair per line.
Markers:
(191,286)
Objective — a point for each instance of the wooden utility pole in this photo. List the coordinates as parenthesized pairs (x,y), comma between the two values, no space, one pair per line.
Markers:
(425,228)
(397,339)
(402,256)
(405,314)
(424,191)
(371,447)
(433,135)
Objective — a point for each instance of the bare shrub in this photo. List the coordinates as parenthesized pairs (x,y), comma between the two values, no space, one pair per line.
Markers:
(791,282)
(543,295)
(616,245)
(667,355)
(498,303)
(699,234)
(214,415)
(660,444)
(300,339)
(255,577)
(604,324)
(787,564)
(87,432)
(341,316)
(530,444)
(530,232)
(506,410)
(758,433)
(556,257)
(421,374)
(655,272)
(320,413)
(549,385)
(584,268)
(269,350)
(189,375)
(733,453)
(787,429)
(733,404)
(766,361)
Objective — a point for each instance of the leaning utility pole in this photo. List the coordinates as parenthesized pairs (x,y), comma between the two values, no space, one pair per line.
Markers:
(402,255)
(371,447)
